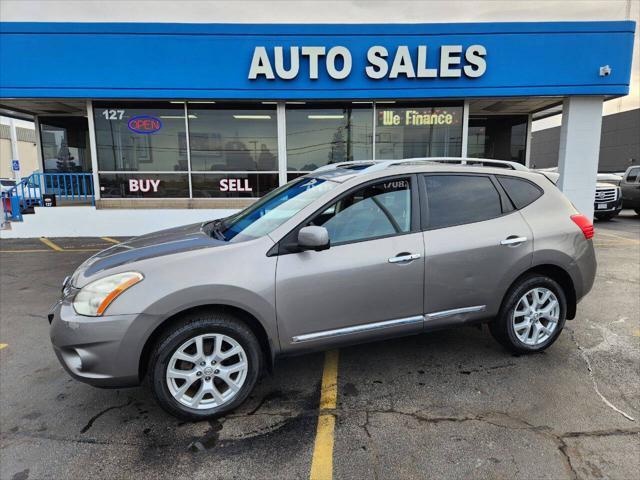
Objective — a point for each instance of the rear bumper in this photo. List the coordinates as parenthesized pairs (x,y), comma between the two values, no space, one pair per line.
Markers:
(97,351)
(585,270)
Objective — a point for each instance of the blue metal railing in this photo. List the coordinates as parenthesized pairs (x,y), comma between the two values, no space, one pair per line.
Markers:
(29,192)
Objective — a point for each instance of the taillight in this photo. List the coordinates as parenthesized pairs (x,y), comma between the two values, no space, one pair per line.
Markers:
(585,225)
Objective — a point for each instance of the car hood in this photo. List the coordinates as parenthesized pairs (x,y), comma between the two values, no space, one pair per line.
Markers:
(156,244)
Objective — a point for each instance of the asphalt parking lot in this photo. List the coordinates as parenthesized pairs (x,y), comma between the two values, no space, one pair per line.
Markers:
(450,404)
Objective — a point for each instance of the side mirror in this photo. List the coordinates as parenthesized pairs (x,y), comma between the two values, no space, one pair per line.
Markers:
(313,238)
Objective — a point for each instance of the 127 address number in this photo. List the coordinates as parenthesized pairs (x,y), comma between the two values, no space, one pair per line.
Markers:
(113,114)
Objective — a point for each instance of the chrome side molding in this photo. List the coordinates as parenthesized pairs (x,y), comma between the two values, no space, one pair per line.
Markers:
(455,311)
(367,327)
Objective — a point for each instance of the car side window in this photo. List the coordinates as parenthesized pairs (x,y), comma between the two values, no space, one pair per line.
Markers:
(460,199)
(376,210)
(521,192)
(632,176)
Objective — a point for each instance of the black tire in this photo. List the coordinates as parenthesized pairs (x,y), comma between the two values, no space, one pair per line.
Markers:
(501,327)
(191,326)
(605,217)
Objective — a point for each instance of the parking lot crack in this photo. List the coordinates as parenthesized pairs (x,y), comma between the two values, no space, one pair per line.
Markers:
(372,446)
(586,360)
(511,422)
(602,433)
(102,412)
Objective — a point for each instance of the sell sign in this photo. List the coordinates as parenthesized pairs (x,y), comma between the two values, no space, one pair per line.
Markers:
(235,185)
(144,124)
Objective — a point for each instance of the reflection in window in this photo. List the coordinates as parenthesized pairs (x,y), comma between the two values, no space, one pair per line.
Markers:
(460,199)
(65,144)
(226,137)
(412,131)
(274,209)
(140,136)
(374,211)
(328,133)
(501,137)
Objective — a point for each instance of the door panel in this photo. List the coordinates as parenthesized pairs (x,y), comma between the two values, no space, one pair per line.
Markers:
(468,266)
(350,285)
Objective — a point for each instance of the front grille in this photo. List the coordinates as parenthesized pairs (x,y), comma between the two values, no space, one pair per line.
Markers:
(606,194)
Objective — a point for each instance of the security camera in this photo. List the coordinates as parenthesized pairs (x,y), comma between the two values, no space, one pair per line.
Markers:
(605,71)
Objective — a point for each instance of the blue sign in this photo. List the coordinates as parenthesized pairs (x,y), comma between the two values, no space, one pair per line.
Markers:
(144,124)
(15,165)
(356,61)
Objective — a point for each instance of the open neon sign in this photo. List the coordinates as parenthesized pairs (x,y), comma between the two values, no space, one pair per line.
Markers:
(145,124)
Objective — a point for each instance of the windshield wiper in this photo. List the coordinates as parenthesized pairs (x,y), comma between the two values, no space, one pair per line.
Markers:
(215,229)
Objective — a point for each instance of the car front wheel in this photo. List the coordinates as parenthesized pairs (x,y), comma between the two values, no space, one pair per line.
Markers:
(532,315)
(205,366)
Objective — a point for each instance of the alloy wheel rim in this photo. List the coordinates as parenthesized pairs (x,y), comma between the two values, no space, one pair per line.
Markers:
(536,316)
(207,371)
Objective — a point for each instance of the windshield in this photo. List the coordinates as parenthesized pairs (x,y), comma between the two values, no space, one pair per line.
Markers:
(273,210)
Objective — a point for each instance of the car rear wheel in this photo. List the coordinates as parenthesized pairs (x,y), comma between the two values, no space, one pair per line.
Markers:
(205,366)
(532,315)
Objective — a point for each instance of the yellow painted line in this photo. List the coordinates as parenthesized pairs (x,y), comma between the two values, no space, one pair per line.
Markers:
(636,333)
(3,345)
(23,251)
(322,460)
(109,239)
(617,237)
(329,393)
(322,464)
(51,245)
(617,244)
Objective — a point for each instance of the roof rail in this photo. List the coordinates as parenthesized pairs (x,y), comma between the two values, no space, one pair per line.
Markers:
(377,165)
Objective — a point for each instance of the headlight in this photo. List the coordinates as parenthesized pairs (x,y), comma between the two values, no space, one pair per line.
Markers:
(93,299)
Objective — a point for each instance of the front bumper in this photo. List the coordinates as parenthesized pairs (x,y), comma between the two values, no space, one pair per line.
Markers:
(101,351)
(607,207)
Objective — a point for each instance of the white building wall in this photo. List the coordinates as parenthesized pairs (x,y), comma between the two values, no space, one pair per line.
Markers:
(90,222)
(28,158)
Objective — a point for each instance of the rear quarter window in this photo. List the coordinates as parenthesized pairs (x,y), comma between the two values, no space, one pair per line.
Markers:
(521,192)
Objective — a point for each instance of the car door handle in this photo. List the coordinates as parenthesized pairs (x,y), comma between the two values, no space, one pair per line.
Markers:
(513,240)
(404,257)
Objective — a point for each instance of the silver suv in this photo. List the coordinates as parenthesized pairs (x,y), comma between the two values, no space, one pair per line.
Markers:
(353,253)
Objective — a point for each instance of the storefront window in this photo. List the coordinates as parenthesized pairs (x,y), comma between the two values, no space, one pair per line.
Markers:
(65,144)
(140,136)
(501,137)
(418,130)
(232,148)
(319,134)
(226,137)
